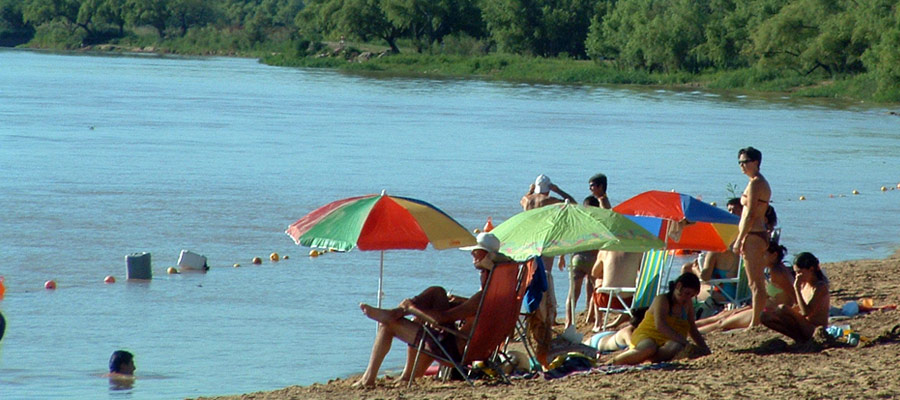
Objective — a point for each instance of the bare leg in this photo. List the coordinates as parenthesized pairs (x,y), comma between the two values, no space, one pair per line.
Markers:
(668,351)
(754,263)
(575,280)
(388,329)
(589,304)
(735,319)
(788,321)
(642,352)
(424,362)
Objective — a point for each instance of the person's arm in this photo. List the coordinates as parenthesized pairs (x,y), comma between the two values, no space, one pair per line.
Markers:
(604,202)
(467,309)
(565,195)
(816,310)
(660,308)
(709,264)
(750,213)
(696,336)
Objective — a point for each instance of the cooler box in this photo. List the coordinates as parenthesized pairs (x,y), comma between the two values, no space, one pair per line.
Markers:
(137,266)
(191,260)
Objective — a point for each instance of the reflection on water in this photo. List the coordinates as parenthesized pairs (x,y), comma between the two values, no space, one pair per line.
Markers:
(106,156)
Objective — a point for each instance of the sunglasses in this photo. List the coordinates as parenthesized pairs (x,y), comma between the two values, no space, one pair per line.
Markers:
(742,162)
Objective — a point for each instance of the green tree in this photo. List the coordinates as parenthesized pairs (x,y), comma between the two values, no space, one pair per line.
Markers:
(189,13)
(539,27)
(655,35)
(429,21)
(363,19)
(37,12)
(807,35)
(148,12)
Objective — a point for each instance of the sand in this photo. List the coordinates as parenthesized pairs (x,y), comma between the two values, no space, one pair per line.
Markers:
(750,365)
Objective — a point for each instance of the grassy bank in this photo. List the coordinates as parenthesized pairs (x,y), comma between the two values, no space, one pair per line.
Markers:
(514,68)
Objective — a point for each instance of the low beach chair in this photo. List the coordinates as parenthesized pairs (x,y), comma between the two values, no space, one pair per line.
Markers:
(494,321)
(645,289)
(737,295)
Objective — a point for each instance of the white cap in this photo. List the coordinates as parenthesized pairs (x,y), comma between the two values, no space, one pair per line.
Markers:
(485,241)
(542,184)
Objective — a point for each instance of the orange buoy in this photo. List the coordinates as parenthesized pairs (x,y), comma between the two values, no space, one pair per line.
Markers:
(2,288)
(50,285)
(109,279)
(274,257)
(171,270)
(285,257)
(313,253)
(257,260)
(489,225)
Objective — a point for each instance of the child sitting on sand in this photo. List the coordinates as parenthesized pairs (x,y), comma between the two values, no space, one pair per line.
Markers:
(663,332)
(607,341)
(813,302)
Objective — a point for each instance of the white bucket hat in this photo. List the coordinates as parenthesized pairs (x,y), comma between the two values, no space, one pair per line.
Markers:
(485,241)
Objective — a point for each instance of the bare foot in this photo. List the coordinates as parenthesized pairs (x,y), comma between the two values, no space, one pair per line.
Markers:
(360,384)
(380,314)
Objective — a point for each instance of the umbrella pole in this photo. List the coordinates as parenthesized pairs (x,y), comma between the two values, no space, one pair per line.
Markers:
(380,279)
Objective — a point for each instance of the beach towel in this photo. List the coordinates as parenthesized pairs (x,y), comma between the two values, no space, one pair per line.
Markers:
(577,367)
(537,287)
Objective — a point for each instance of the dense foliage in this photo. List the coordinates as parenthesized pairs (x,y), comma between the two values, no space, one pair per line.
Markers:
(738,42)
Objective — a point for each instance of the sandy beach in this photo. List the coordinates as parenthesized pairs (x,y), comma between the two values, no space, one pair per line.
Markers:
(751,365)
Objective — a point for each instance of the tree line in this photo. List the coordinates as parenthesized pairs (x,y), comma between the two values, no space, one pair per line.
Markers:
(829,38)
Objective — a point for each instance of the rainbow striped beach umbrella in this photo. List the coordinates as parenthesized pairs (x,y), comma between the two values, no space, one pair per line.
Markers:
(684,222)
(379,222)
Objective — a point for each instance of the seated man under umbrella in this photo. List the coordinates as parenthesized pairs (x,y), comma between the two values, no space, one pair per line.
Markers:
(435,303)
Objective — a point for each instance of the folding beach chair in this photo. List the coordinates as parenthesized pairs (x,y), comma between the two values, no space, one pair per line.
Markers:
(645,289)
(737,295)
(494,321)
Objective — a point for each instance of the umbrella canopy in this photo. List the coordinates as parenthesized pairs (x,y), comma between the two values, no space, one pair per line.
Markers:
(568,228)
(683,221)
(379,222)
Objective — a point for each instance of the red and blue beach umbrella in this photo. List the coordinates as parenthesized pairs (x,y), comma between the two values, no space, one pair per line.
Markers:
(707,227)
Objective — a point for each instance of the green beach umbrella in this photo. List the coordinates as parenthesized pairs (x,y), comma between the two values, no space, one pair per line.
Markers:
(566,228)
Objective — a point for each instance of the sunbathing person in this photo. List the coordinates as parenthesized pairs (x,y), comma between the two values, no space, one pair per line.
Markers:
(810,290)
(435,304)
(779,288)
(607,341)
(663,332)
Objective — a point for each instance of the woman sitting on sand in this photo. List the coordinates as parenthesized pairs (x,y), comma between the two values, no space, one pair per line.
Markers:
(779,288)
(608,341)
(433,303)
(810,291)
(663,332)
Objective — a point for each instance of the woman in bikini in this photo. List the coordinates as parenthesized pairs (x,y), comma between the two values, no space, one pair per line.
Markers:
(753,237)
(779,290)
(813,302)
(666,326)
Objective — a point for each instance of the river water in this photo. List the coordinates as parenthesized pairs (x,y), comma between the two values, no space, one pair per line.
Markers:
(103,156)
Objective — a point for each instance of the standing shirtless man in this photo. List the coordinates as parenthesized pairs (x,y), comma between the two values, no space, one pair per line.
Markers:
(538,196)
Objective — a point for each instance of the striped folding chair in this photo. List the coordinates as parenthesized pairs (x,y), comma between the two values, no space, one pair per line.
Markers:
(645,288)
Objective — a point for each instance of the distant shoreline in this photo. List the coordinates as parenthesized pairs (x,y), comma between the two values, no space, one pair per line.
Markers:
(508,68)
